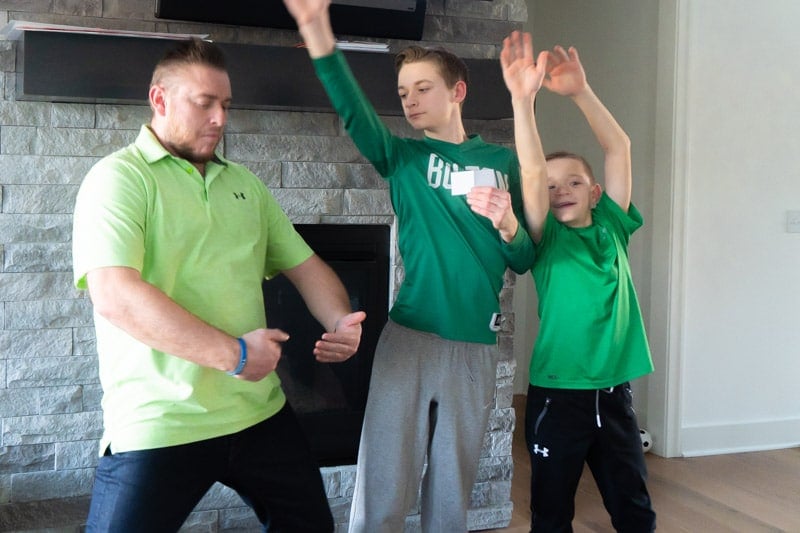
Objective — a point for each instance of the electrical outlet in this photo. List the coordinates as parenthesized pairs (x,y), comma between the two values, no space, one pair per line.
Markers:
(793,221)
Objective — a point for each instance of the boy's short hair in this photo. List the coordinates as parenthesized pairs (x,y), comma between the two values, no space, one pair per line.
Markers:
(193,51)
(451,67)
(569,155)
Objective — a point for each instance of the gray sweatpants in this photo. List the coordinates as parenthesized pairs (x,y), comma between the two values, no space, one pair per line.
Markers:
(427,395)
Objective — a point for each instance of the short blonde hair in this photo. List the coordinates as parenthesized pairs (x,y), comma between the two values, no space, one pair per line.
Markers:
(450,66)
(569,155)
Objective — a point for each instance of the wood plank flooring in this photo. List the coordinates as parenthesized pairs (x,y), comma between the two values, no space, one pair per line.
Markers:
(745,492)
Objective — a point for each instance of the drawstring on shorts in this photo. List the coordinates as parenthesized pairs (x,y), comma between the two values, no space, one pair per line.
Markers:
(608,390)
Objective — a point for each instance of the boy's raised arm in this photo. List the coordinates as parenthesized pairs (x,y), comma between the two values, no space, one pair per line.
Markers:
(567,77)
(314,24)
(523,77)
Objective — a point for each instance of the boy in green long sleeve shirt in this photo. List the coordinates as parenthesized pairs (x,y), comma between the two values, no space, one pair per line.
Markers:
(433,377)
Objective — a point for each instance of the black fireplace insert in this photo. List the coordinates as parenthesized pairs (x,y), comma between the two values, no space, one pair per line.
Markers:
(329,398)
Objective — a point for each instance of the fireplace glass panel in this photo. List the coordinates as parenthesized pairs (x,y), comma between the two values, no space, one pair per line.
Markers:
(329,398)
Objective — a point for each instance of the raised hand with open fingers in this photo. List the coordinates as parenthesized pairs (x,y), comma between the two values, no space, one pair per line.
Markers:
(304,11)
(565,74)
(522,74)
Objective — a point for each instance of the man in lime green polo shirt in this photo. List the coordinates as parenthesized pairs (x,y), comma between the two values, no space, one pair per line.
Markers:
(172,242)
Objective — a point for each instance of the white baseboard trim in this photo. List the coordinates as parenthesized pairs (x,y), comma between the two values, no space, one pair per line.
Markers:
(736,438)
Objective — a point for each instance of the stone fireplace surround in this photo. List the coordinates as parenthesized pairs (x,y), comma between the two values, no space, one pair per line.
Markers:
(51,417)
(37,502)
(222,509)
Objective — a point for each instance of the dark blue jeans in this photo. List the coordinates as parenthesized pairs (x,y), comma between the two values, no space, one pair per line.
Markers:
(565,428)
(270,465)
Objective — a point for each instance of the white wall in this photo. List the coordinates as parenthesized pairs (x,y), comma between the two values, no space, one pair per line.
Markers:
(708,92)
(737,125)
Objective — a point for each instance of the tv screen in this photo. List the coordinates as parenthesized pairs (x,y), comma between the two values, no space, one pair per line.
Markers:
(399,19)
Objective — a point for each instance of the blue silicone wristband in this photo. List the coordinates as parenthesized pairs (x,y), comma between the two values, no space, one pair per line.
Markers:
(242,358)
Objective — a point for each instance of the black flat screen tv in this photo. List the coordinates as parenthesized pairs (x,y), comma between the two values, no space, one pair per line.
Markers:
(399,19)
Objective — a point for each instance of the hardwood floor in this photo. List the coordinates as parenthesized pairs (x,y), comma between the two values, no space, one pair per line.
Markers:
(744,492)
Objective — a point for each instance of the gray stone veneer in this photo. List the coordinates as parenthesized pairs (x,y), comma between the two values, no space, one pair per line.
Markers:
(50,417)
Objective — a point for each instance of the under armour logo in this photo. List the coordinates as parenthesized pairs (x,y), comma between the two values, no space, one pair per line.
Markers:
(239,196)
(544,451)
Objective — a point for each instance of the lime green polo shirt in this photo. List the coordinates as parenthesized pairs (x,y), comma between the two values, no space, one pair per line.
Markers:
(207,242)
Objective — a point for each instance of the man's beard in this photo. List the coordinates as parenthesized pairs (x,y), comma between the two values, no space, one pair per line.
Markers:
(190,155)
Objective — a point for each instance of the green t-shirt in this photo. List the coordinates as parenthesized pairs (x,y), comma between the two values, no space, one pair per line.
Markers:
(207,243)
(591,332)
(454,259)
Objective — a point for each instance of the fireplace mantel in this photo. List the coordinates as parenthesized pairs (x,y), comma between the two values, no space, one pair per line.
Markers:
(75,67)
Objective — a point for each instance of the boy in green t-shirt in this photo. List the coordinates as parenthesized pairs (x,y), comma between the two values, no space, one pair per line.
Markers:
(591,341)
(433,377)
